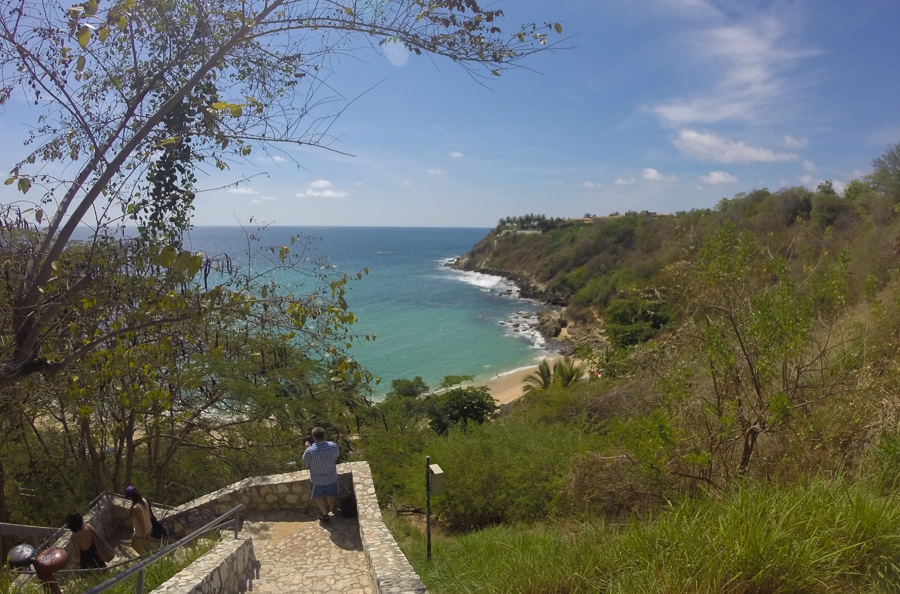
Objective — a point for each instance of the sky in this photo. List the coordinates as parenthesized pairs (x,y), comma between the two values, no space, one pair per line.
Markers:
(659,105)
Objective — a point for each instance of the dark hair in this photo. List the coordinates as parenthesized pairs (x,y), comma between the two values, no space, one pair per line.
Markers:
(318,433)
(132,493)
(75,521)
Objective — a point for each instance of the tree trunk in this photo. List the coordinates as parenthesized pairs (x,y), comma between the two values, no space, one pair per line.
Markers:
(750,436)
(95,457)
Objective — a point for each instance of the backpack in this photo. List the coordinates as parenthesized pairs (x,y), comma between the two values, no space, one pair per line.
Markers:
(158,531)
(348,505)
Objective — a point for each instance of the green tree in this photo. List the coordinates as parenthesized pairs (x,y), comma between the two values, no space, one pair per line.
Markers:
(886,174)
(406,388)
(566,372)
(540,379)
(132,95)
(770,343)
(634,320)
(459,406)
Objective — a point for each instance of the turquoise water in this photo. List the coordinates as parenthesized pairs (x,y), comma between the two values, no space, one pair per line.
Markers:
(430,321)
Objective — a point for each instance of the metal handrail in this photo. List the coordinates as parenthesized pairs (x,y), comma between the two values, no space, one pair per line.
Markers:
(144,563)
(62,530)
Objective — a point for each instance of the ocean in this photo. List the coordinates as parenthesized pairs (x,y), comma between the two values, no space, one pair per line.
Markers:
(430,321)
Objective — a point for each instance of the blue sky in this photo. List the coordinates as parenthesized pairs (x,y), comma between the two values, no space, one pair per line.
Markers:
(660,105)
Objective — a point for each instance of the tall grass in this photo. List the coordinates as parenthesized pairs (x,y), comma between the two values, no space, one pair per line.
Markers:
(824,537)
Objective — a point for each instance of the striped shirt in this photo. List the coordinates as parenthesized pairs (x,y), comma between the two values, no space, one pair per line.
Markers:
(321,459)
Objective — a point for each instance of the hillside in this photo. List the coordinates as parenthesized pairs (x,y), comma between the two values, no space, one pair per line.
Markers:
(755,339)
(740,429)
(598,266)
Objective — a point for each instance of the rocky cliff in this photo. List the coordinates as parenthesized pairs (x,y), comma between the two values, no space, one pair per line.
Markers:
(562,330)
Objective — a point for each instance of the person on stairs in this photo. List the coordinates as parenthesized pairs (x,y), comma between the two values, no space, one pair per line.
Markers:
(321,459)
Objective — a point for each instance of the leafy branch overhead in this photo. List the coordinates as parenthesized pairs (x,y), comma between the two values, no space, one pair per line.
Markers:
(136,98)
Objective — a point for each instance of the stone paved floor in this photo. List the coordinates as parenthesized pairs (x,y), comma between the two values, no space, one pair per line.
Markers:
(299,555)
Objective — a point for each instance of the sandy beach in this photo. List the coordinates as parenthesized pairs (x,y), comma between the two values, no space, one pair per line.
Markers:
(507,387)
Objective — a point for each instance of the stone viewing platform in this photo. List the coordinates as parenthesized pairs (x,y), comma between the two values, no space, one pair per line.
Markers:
(282,540)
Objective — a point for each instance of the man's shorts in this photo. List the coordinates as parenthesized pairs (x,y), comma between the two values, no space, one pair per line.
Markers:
(324,491)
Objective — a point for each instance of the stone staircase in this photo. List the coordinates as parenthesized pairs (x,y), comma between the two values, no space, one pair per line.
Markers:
(282,547)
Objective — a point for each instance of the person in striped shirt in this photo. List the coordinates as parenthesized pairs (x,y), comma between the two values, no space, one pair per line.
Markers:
(321,459)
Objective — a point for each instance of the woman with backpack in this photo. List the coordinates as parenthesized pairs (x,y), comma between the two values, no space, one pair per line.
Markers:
(146,527)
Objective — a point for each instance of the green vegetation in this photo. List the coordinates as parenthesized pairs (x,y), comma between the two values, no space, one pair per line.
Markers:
(564,374)
(825,536)
(130,359)
(742,435)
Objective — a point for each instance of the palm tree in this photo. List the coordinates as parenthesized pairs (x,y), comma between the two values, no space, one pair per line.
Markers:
(567,372)
(540,379)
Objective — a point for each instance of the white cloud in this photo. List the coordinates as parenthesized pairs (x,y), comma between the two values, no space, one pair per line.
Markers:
(791,142)
(655,176)
(715,148)
(746,68)
(718,178)
(589,185)
(621,181)
(435,171)
(242,191)
(809,167)
(322,188)
(456,155)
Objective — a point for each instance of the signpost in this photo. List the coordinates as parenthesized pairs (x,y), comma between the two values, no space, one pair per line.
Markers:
(434,484)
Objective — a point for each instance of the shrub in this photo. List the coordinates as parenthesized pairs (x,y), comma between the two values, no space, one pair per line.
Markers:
(511,471)
(459,407)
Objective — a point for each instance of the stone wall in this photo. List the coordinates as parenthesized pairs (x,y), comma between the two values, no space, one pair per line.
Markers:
(389,569)
(223,569)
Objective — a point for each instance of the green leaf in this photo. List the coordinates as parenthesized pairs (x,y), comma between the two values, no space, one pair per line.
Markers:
(39,216)
(84,36)
(195,264)
(9,182)
(183,261)
(24,185)
(236,111)
(79,64)
(103,33)
(349,11)
(168,255)
(558,28)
